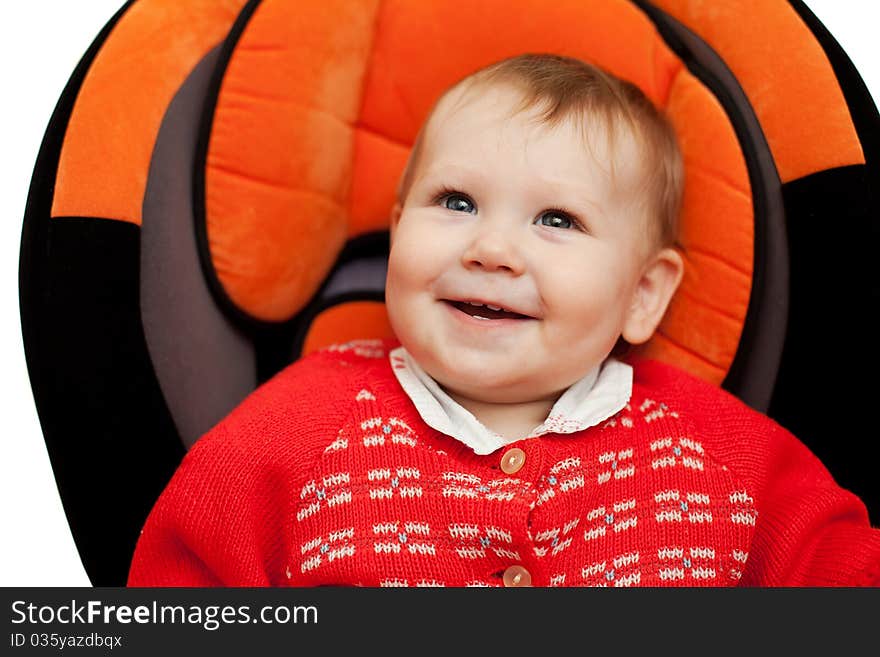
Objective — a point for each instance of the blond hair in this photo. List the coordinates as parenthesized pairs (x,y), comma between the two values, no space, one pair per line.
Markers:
(564,88)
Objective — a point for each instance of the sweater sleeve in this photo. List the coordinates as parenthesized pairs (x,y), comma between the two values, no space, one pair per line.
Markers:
(220,520)
(809,531)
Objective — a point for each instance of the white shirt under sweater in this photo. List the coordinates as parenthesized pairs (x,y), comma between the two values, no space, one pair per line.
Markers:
(601,393)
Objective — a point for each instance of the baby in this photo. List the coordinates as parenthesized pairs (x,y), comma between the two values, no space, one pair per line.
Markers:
(498,441)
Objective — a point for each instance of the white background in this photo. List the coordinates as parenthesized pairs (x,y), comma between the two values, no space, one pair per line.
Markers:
(42,41)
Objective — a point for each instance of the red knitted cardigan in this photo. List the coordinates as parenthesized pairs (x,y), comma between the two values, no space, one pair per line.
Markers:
(327,475)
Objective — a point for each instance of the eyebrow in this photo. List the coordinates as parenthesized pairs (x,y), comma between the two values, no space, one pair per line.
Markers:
(454,171)
(580,201)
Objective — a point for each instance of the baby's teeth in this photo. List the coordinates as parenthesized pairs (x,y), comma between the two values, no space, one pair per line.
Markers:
(493,307)
(478,317)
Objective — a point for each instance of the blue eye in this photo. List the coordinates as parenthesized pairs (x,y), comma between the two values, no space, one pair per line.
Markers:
(556,219)
(458,203)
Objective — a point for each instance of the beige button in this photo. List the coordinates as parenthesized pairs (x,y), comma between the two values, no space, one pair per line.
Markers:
(517,576)
(513,460)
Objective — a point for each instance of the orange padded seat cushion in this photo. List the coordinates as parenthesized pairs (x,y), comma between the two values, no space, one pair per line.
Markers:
(785,75)
(113,126)
(321,103)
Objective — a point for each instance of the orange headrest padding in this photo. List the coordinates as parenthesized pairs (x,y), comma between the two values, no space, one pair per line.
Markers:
(787,77)
(321,102)
(316,116)
(110,136)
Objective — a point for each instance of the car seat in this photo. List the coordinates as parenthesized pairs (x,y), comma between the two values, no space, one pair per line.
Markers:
(211,198)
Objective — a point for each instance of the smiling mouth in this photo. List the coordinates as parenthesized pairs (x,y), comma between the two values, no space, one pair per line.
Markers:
(482,311)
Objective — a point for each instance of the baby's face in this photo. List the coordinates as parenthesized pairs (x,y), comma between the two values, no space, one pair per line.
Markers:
(510,213)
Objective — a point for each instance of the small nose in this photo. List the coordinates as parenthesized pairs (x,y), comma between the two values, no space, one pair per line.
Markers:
(493,249)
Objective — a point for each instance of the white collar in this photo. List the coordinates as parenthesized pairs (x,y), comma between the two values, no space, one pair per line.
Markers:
(597,396)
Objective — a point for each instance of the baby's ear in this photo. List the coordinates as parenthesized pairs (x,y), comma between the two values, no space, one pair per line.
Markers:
(652,295)
(395,218)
